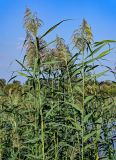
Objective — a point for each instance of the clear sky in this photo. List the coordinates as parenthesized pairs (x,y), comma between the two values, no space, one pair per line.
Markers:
(100,14)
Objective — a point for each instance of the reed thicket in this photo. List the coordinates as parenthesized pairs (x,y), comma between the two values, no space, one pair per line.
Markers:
(61,112)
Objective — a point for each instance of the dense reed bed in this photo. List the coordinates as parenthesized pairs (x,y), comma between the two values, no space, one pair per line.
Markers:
(61,112)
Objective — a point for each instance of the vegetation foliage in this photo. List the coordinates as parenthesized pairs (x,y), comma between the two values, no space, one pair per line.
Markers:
(62,111)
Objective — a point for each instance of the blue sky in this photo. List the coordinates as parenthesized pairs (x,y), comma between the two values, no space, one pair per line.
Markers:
(100,14)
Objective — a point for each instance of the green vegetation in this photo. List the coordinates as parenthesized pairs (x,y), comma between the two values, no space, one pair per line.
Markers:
(61,112)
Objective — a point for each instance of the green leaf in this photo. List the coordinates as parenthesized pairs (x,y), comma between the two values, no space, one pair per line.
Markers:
(73,59)
(47,45)
(91,68)
(76,71)
(88,146)
(104,42)
(23,74)
(98,75)
(34,157)
(52,28)
(64,144)
(74,123)
(76,106)
(77,126)
(89,136)
(32,141)
(79,89)
(88,99)
(99,120)
(66,126)
(87,117)
(50,111)
(24,67)
(94,52)
(103,54)
(12,78)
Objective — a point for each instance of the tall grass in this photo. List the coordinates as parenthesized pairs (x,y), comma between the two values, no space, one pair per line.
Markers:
(60,112)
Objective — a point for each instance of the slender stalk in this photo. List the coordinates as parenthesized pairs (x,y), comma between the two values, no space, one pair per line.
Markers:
(42,134)
(70,84)
(83,98)
(56,146)
(39,96)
